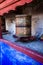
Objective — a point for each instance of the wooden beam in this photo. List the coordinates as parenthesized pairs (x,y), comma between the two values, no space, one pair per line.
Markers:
(0,28)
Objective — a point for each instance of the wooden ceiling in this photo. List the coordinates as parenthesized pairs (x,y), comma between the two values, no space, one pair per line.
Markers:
(1,1)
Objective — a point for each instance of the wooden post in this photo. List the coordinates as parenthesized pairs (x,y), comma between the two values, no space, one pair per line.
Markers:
(0,28)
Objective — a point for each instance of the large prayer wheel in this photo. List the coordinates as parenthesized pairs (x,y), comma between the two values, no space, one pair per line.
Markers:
(23,25)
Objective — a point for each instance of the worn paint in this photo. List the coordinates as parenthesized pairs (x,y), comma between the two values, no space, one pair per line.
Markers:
(11,56)
(8,5)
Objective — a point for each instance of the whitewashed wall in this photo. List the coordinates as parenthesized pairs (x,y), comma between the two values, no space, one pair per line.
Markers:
(37,24)
(10,25)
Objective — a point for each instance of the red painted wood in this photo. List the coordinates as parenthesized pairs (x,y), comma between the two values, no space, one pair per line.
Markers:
(8,5)
(1,1)
(38,57)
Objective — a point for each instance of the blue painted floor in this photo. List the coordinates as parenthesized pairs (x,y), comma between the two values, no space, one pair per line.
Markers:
(34,45)
(10,56)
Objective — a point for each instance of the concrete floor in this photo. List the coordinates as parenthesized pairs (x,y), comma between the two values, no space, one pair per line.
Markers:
(34,45)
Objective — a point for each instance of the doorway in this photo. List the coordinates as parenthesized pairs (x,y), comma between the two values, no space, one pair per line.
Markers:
(3,25)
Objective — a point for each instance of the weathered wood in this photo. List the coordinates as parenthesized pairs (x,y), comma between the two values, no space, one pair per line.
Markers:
(0,28)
